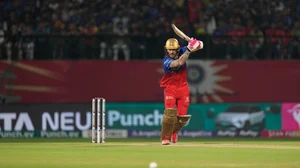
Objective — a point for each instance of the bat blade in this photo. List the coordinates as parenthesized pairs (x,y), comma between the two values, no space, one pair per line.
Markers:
(180,33)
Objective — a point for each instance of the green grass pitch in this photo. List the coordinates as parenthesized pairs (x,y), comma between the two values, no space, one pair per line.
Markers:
(138,153)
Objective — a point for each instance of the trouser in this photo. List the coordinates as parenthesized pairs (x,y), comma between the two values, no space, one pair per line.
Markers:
(177,97)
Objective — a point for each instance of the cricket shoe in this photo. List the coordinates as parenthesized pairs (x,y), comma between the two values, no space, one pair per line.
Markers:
(174,137)
(165,142)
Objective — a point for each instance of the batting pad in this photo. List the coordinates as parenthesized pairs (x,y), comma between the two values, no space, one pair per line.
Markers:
(168,122)
(181,122)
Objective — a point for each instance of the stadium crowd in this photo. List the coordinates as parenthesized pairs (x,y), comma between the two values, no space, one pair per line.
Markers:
(137,29)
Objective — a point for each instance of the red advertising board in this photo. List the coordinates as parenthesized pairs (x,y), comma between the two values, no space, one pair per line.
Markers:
(80,81)
(245,81)
(138,81)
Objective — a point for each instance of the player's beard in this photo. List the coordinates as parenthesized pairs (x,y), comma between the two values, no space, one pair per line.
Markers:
(173,56)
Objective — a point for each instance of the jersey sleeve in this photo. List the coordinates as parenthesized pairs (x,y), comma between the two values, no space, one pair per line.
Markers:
(166,63)
(182,50)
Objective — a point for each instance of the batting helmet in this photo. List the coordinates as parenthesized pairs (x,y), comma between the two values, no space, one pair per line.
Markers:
(172,44)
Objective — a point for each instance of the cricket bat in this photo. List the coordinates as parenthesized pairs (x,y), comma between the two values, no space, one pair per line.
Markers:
(181,34)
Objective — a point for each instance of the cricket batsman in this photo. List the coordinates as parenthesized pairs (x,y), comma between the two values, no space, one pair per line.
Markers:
(176,90)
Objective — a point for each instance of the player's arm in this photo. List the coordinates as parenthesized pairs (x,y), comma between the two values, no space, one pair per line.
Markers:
(181,60)
(193,45)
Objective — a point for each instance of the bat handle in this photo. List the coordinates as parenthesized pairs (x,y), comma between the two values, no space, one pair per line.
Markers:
(188,39)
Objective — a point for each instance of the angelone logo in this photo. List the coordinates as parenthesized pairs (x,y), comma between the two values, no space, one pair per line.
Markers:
(291,116)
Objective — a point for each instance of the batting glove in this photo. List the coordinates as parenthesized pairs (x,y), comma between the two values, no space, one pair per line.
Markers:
(195,45)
